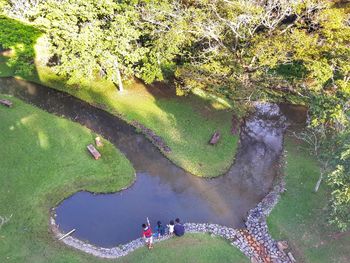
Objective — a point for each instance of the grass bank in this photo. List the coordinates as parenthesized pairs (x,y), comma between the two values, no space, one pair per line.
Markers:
(301,215)
(192,248)
(185,123)
(43,160)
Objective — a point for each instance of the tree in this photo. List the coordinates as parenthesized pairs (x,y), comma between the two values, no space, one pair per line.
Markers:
(339,181)
(166,33)
(90,38)
(21,9)
(114,38)
(296,51)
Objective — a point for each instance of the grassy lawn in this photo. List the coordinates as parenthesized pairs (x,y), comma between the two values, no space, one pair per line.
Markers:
(185,123)
(192,248)
(301,215)
(43,160)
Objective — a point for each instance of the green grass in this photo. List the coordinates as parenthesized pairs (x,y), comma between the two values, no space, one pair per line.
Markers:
(185,123)
(44,160)
(301,215)
(192,248)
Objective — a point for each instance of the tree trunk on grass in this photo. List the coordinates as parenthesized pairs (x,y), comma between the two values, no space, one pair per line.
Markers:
(119,78)
(323,170)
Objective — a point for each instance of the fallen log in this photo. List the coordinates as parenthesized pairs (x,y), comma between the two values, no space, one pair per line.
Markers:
(6,103)
(291,257)
(64,236)
(215,138)
(93,151)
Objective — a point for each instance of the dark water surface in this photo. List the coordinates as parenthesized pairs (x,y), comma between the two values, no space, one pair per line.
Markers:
(162,191)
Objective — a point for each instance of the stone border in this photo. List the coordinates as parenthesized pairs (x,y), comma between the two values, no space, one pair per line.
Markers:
(152,136)
(255,242)
(123,250)
(257,228)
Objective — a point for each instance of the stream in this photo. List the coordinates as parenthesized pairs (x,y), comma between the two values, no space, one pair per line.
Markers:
(162,190)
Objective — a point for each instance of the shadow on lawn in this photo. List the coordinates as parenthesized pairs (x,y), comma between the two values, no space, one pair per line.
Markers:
(185,123)
(17,51)
(21,38)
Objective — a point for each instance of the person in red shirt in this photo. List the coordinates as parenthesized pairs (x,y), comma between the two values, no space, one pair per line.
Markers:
(147,235)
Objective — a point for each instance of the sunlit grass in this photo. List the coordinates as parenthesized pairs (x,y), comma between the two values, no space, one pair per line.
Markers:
(192,248)
(185,123)
(43,160)
(301,215)
(217,102)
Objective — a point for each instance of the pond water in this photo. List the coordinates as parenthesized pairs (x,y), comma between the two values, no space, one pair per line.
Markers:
(162,190)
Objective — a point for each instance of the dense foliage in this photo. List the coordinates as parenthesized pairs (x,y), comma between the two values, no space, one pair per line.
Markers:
(298,51)
(339,179)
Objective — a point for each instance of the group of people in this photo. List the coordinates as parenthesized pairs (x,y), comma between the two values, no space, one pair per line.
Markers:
(173,228)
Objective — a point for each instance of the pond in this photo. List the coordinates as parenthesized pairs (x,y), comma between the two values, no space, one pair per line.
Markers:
(162,190)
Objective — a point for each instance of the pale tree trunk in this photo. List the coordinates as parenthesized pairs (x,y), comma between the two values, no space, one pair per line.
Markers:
(318,182)
(323,170)
(119,78)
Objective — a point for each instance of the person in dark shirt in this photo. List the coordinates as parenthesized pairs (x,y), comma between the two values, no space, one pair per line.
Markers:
(179,229)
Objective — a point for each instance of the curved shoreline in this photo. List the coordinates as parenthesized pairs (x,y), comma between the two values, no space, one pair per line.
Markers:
(131,123)
(255,241)
(150,135)
(256,230)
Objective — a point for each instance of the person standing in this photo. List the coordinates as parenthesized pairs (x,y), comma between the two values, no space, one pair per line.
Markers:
(179,229)
(171,227)
(147,235)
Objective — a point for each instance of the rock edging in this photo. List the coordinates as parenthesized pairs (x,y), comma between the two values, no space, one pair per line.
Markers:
(254,241)
(152,136)
(258,230)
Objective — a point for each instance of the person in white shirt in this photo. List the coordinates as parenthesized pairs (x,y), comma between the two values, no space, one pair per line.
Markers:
(171,227)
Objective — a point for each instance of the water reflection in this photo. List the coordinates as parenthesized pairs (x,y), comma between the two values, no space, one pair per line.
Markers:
(162,190)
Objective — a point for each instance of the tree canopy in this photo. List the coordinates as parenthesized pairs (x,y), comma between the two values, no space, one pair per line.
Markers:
(296,51)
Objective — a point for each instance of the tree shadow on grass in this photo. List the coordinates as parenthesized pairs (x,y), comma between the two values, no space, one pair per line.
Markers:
(185,123)
(17,53)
